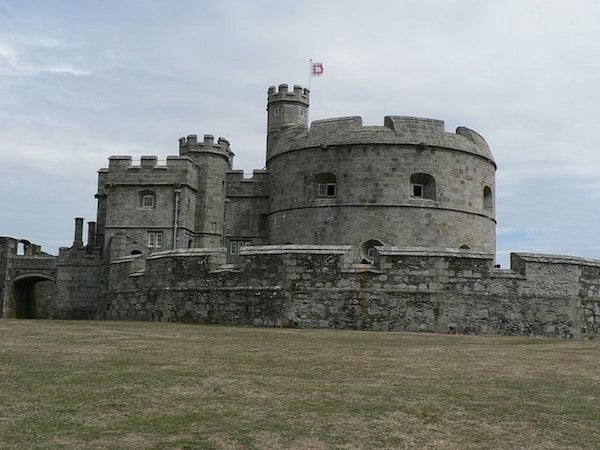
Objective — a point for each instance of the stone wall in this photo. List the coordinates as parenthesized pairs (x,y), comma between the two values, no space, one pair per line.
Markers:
(404,289)
(80,281)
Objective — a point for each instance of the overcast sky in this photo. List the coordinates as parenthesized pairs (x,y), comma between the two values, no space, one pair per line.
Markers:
(83,80)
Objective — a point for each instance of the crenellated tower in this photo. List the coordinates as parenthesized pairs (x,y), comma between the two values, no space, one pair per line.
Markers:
(214,160)
(286,111)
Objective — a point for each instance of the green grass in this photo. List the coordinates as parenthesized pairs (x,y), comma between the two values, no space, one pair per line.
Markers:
(138,385)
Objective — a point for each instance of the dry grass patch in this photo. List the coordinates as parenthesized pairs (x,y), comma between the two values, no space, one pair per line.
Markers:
(155,385)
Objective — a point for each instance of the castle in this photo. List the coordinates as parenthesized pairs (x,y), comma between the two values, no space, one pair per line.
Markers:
(386,227)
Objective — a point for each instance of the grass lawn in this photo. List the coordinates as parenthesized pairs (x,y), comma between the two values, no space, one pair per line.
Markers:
(70,384)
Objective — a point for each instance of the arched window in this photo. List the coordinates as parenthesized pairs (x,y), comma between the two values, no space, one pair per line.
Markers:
(326,185)
(422,185)
(147,199)
(488,199)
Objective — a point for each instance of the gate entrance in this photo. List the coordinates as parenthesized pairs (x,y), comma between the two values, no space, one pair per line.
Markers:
(32,296)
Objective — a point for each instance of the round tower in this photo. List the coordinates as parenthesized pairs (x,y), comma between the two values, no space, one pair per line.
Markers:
(286,111)
(408,183)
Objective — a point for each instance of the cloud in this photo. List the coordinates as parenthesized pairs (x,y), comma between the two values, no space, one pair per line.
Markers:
(34,55)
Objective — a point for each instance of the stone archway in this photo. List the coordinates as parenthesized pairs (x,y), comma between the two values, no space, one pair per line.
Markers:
(32,296)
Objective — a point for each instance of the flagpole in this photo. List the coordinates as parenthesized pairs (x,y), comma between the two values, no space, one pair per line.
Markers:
(309,72)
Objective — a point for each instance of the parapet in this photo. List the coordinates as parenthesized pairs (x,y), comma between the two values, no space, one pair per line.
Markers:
(258,176)
(239,186)
(395,130)
(121,163)
(298,94)
(190,145)
(519,261)
(122,170)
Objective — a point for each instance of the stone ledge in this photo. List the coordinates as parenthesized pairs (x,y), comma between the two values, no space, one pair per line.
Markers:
(557,259)
(296,249)
(226,268)
(218,251)
(428,251)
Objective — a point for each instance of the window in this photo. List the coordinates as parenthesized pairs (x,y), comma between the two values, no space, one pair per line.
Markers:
(235,246)
(326,185)
(155,239)
(422,186)
(326,189)
(302,112)
(488,201)
(276,111)
(465,247)
(147,199)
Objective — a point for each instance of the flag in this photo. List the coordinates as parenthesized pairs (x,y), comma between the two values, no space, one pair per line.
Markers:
(316,69)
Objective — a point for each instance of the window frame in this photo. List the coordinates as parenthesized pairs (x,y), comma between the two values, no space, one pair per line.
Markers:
(326,190)
(235,246)
(154,239)
(148,204)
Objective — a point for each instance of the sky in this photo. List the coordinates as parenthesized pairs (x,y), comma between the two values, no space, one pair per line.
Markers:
(83,80)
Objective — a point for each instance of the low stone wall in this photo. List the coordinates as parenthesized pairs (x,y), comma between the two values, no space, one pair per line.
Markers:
(403,289)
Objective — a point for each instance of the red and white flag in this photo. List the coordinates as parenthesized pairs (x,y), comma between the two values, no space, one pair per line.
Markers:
(316,69)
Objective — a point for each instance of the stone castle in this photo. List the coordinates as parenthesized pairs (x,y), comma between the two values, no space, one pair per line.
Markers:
(386,227)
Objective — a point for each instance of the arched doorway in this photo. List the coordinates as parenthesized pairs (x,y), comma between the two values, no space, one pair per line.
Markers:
(33,296)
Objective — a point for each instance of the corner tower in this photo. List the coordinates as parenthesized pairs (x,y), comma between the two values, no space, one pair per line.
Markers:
(213,161)
(286,111)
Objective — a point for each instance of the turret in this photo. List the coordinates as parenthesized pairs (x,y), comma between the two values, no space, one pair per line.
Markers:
(285,110)
(191,147)
(214,160)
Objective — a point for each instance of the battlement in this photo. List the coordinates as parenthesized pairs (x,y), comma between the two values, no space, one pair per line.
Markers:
(255,186)
(298,94)
(190,144)
(258,176)
(120,163)
(395,130)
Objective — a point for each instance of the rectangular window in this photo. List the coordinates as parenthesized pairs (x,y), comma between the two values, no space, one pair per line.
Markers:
(148,201)
(326,190)
(276,111)
(417,190)
(235,246)
(155,239)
